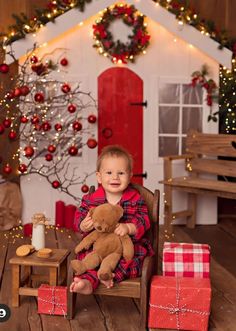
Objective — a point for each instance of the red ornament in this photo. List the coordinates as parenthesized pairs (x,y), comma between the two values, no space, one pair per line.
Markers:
(65,88)
(46,126)
(77,126)
(58,127)
(73,150)
(84,188)
(33,59)
(37,127)
(64,62)
(29,151)
(4,68)
(51,148)
(7,123)
(39,68)
(39,97)
(12,135)
(2,129)
(10,95)
(71,108)
(48,157)
(92,119)
(24,90)
(22,168)
(23,119)
(56,184)
(17,92)
(7,169)
(35,119)
(91,143)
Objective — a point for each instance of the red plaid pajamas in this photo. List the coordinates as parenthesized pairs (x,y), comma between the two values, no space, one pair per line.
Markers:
(135,211)
(186,260)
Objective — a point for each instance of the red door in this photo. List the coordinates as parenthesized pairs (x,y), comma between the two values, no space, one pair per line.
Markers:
(120,122)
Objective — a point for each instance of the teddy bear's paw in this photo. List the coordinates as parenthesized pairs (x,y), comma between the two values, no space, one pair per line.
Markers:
(105,275)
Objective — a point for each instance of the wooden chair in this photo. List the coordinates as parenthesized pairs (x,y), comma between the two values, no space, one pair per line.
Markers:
(136,287)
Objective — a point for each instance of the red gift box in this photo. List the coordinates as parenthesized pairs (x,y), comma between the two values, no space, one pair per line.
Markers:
(186,260)
(69,216)
(179,303)
(52,300)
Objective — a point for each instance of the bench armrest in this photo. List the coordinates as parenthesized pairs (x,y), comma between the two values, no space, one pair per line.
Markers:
(168,163)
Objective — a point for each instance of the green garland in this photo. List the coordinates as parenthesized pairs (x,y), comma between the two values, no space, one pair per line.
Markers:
(117,51)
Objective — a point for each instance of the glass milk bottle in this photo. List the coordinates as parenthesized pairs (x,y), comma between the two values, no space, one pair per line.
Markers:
(38,233)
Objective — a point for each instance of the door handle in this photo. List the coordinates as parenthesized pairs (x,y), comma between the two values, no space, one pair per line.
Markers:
(143,175)
(144,104)
(107,133)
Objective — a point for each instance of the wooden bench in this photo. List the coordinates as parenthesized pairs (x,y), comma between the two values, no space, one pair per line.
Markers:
(213,154)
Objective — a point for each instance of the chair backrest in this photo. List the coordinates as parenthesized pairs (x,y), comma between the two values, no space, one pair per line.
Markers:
(152,201)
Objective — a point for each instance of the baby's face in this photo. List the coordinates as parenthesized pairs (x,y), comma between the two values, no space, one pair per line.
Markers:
(114,174)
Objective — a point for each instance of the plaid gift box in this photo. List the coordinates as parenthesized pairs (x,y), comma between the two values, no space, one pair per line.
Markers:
(186,260)
(179,303)
(52,300)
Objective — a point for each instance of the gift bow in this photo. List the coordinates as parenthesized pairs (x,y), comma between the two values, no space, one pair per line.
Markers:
(54,303)
(179,309)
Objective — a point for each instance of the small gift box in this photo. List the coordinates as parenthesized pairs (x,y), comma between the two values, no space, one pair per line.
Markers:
(52,300)
(179,303)
(186,260)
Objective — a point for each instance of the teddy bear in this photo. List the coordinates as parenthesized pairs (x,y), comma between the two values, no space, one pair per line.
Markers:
(108,247)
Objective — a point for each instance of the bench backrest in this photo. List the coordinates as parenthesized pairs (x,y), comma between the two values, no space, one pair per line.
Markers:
(206,148)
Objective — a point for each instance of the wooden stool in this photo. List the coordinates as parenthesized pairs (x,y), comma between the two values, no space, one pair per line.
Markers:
(56,264)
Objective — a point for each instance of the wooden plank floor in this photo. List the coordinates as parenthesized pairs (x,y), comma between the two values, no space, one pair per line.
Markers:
(121,314)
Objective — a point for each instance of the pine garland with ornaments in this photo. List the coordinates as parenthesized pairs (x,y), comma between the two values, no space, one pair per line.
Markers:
(53,121)
(117,51)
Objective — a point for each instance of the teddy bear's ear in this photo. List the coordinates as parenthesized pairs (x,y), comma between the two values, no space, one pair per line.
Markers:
(91,211)
(119,211)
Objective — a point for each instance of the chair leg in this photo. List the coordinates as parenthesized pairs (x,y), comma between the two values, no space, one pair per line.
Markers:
(71,305)
(168,210)
(192,205)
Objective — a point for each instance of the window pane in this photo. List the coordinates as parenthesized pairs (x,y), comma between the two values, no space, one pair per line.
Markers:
(169,93)
(192,119)
(168,119)
(192,95)
(168,146)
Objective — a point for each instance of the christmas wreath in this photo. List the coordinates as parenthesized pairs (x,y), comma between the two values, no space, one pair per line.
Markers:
(117,51)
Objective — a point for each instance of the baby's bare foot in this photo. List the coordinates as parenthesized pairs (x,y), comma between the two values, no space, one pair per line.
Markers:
(108,283)
(82,286)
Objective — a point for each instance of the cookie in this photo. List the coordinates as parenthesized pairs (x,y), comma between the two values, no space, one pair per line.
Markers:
(44,252)
(23,250)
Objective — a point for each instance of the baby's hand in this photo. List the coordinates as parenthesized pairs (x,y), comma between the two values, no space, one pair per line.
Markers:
(122,229)
(87,224)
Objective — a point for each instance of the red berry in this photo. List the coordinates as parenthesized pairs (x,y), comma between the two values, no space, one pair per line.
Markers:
(35,119)
(92,119)
(77,126)
(65,88)
(7,123)
(73,150)
(22,168)
(51,148)
(56,184)
(39,97)
(48,157)
(71,108)
(23,119)
(58,127)
(24,90)
(91,143)
(64,62)
(46,126)
(4,68)
(12,135)
(33,59)
(7,169)
(29,151)
(85,188)
(17,92)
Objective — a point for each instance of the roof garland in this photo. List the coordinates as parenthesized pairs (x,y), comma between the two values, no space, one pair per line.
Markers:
(56,8)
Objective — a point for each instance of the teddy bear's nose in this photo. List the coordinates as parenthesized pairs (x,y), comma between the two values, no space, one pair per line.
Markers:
(99,228)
